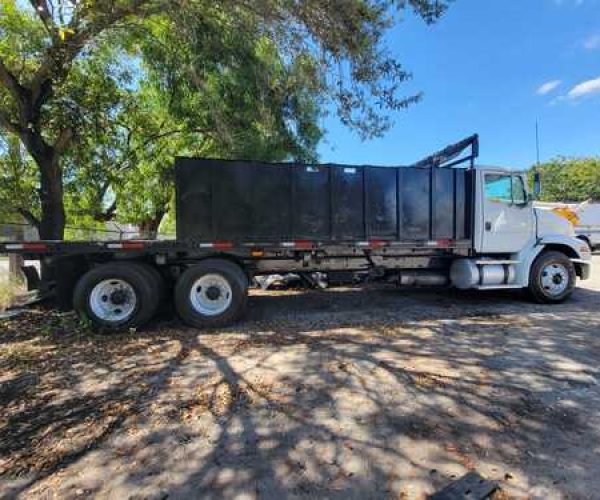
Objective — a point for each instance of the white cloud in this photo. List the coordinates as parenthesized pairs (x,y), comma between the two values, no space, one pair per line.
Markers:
(548,87)
(586,88)
(592,43)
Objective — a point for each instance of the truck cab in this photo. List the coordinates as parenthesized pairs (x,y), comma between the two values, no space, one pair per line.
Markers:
(517,245)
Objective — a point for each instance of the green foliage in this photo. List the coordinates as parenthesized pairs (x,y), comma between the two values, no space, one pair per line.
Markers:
(104,94)
(339,44)
(232,83)
(143,183)
(250,105)
(18,183)
(570,179)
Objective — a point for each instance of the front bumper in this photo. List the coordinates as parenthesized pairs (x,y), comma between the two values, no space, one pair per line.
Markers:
(584,268)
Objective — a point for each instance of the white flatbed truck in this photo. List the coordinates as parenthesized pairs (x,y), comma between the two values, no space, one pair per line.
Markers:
(443,221)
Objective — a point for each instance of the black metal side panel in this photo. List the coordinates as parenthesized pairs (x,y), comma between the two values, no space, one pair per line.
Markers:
(443,202)
(311,203)
(347,201)
(263,202)
(271,208)
(381,202)
(415,198)
(194,199)
(460,205)
(233,203)
(469,204)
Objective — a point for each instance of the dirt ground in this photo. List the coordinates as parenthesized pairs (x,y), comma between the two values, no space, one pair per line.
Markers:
(345,393)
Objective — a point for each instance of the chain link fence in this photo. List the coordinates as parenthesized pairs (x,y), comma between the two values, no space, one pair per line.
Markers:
(10,265)
(20,231)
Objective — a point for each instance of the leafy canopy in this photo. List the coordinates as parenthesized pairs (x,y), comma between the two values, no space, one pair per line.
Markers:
(103,93)
(570,179)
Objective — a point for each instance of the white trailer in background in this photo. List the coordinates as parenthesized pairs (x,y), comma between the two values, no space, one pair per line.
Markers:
(585,218)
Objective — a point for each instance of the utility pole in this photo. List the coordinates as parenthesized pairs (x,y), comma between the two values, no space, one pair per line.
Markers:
(537,142)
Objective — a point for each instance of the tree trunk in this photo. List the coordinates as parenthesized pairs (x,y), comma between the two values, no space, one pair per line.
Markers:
(15,263)
(47,159)
(52,223)
(149,227)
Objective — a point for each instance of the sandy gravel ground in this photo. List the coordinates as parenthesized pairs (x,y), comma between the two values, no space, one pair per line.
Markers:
(346,393)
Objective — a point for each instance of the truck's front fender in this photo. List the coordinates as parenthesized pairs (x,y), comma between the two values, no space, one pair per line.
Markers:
(575,249)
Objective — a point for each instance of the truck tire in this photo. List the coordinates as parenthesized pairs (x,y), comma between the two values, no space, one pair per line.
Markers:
(155,279)
(552,278)
(211,294)
(116,296)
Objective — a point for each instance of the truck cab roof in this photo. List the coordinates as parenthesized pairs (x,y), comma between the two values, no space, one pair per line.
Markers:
(495,168)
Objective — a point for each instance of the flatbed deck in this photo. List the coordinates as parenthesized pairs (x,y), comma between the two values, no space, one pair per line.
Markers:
(49,248)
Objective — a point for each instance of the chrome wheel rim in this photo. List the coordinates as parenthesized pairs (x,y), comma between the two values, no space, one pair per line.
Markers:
(211,295)
(555,279)
(113,300)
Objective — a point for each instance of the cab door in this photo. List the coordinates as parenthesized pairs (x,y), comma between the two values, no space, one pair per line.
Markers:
(507,221)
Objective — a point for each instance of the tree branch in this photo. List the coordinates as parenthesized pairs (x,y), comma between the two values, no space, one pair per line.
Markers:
(11,83)
(58,58)
(162,135)
(29,217)
(63,141)
(109,213)
(6,124)
(43,12)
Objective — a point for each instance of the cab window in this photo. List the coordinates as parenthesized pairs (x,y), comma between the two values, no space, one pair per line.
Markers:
(518,190)
(498,187)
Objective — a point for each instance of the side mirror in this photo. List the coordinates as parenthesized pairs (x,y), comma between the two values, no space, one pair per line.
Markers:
(537,185)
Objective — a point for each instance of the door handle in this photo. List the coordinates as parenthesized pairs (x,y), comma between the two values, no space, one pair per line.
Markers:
(488,226)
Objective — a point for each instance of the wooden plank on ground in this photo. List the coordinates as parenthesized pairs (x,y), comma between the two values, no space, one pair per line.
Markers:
(469,487)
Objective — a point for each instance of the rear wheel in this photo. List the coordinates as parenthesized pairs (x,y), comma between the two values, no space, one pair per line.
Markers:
(156,280)
(116,296)
(552,278)
(211,294)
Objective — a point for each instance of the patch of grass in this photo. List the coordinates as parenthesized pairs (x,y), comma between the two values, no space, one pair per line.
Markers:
(21,354)
(8,291)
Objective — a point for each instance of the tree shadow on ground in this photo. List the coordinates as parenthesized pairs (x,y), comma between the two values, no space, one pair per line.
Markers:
(337,394)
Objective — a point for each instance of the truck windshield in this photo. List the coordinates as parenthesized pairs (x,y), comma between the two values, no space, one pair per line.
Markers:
(518,190)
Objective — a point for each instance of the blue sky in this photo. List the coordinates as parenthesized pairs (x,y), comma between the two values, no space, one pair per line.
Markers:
(492,67)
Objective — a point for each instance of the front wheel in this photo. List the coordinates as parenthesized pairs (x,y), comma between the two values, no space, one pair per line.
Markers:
(211,294)
(552,278)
